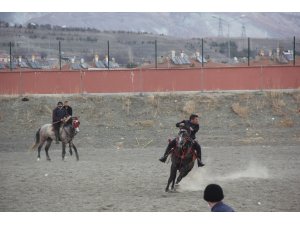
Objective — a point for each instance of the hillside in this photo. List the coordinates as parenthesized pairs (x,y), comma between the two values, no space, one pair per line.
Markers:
(180,25)
(125,46)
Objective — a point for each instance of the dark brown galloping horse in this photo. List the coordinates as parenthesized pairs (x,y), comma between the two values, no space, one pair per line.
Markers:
(182,157)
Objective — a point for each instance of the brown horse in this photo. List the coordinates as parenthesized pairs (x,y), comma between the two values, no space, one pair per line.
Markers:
(66,135)
(183,157)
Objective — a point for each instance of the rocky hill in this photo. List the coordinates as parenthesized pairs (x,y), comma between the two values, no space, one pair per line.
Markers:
(182,25)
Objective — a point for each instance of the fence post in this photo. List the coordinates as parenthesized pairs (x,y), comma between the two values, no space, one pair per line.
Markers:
(294,52)
(108,55)
(248,51)
(155,53)
(59,52)
(202,52)
(10,57)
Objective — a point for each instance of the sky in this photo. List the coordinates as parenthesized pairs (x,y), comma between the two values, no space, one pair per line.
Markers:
(150,6)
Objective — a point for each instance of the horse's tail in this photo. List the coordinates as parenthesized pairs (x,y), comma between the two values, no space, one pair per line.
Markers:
(37,139)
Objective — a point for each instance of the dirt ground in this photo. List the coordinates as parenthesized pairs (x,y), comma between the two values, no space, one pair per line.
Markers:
(250,145)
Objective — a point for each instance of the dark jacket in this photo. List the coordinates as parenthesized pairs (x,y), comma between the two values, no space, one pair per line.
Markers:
(58,114)
(69,110)
(221,207)
(188,123)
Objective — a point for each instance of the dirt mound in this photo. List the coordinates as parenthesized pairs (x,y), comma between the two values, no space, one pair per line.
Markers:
(142,120)
(250,145)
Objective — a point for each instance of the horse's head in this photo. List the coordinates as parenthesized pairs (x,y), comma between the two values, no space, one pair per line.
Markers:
(183,137)
(75,123)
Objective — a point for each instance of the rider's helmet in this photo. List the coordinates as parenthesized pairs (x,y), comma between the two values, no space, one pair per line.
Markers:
(213,193)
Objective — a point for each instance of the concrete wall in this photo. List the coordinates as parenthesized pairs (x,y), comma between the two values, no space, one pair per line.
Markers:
(150,80)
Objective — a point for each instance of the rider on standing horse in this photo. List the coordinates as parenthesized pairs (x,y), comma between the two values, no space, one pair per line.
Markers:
(69,112)
(59,116)
(193,124)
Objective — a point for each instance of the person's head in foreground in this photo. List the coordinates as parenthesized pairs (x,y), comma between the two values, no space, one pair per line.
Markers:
(213,194)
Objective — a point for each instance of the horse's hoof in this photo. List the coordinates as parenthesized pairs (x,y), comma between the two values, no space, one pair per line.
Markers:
(173,190)
(49,159)
(38,159)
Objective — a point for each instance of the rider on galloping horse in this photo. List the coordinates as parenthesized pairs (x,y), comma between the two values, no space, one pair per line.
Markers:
(193,124)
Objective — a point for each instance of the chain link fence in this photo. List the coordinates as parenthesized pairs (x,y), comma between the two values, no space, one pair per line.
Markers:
(56,48)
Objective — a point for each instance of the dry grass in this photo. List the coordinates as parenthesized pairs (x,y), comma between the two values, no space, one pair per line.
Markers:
(145,123)
(154,101)
(296,96)
(126,103)
(119,145)
(260,103)
(45,109)
(208,102)
(78,98)
(286,122)
(246,97)
(189,107)
(240,110)
(276,99)
(252,140)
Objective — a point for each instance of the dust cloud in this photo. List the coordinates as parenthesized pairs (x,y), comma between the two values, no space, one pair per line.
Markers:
(200,177)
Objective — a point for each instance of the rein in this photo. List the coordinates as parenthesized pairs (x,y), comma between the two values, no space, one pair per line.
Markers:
(184,151)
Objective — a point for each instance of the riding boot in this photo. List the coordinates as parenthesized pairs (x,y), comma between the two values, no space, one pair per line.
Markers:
(163,158)
(200,163)
(171,145)
(56,137)
(198,150)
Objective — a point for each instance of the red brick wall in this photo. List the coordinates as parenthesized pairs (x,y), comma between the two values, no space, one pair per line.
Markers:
(150,80)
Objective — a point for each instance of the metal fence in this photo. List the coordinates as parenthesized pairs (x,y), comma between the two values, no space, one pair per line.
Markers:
(94,50)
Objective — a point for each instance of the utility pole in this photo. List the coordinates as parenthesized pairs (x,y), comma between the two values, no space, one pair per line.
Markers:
(228,36)
(59,52)
(10,57)
(108,55)
(155,54)
(294,51)
(202,52)
(228,29)
(220,33)
(248,51)
(243,35)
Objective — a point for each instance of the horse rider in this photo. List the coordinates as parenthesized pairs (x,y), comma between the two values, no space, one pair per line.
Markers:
(58,117)
(69,111)
(68,108)
(193,124)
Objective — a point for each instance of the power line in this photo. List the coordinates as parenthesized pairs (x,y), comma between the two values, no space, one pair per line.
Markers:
(220,33)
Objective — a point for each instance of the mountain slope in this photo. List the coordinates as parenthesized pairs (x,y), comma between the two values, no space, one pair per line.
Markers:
(183,25)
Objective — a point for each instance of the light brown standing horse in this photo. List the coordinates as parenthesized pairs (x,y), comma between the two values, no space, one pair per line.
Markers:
(66,135)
